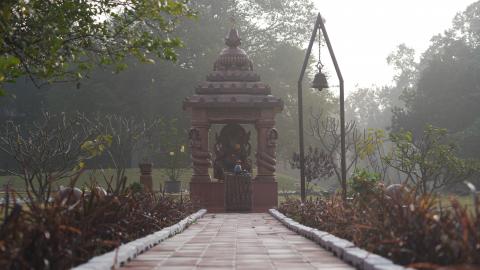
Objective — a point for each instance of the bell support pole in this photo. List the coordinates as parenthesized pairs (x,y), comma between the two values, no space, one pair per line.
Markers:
(319,24)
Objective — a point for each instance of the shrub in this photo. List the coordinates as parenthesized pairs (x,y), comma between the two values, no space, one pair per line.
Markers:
(364,182)
(408,229)
(59,236)
(317,163)
(430,162)
(52,149)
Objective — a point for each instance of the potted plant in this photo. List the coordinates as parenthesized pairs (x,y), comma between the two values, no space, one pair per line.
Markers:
(174,168)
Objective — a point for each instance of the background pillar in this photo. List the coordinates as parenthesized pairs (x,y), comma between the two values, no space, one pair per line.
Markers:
(146,176)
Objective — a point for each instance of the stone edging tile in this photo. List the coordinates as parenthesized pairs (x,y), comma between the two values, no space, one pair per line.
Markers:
(130,250)
(345,250)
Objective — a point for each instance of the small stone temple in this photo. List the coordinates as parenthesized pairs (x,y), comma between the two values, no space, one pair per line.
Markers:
(233,95)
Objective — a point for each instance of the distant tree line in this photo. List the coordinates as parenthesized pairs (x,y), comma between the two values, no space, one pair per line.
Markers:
(441,89)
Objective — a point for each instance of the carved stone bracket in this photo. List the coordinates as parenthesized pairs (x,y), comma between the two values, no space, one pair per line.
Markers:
(266,157)
(201,157)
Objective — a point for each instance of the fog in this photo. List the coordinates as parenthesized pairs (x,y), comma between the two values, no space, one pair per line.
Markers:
(410,68)
(364,33)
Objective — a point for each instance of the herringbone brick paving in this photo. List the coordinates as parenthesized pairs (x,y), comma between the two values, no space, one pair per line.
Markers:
(237,241)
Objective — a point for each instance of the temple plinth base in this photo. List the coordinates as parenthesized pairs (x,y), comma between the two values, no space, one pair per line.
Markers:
(200,178)
(208,195)
(265,178)
(211,195)
(264,195)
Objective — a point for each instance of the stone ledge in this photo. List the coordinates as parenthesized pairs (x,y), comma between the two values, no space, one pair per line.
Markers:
(345,250)
(130,250)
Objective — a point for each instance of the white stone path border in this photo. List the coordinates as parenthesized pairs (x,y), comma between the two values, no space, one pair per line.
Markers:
(130,250)
(345,250)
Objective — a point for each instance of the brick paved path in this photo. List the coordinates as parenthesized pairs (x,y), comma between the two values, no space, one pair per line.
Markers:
(237,241)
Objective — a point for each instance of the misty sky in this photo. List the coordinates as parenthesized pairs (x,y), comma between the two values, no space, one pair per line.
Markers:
(363,33)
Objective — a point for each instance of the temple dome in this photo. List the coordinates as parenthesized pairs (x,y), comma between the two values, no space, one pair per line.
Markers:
(233,72)
(233,82)
(232,57)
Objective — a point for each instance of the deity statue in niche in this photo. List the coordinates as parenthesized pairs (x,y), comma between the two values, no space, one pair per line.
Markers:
(232,146)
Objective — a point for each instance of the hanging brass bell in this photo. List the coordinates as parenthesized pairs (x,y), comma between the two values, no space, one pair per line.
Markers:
(320,81)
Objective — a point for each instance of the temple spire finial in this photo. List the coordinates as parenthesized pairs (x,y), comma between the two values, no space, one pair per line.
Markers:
(233,40)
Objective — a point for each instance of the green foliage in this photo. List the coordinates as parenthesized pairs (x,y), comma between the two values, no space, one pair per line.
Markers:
(430,162)
(8,70)
(136,188)
(362,183)
(98,145)
(173,151)
(369,144)
(50,41)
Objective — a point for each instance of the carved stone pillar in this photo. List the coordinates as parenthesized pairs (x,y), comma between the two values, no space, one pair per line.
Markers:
(266,147)
(201,157)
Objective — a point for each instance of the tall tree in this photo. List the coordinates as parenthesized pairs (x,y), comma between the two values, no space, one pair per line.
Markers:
(62,40)
(370,107)
(446,89)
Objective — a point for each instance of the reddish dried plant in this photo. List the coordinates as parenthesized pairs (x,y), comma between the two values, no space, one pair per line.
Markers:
(56,236)
(409,229)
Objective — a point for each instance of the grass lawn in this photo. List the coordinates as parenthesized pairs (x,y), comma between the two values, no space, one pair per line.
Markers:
(466,200)
(285,182)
